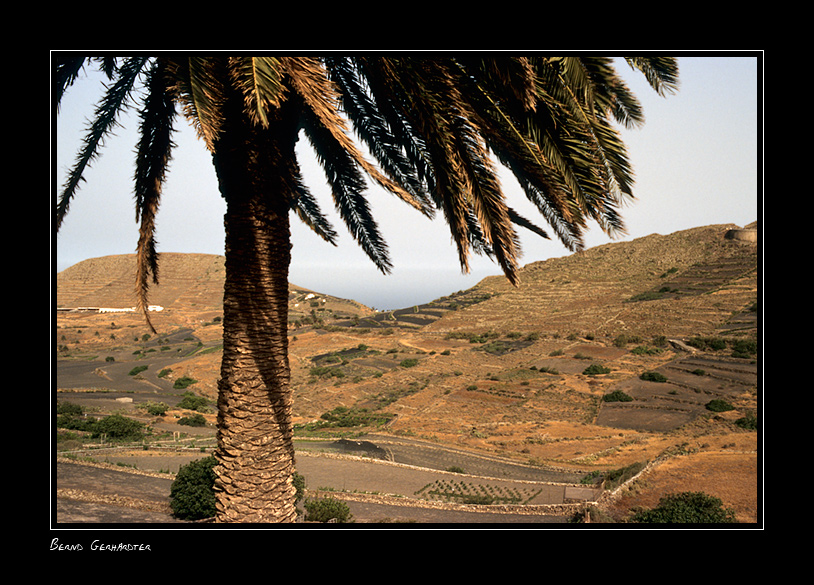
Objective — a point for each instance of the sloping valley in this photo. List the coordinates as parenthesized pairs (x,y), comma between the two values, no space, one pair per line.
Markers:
(532,397)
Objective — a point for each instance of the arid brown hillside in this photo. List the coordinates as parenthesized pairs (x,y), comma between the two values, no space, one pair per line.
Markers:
(682,284)
(189,283)
(496,369)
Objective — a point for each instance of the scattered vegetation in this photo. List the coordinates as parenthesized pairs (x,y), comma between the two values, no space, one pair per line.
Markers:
(344,417)
(327,510)
(191,401)
(741,348)
(194,420)
(596,370)
(114,427)
(653,377)
(614,478)
(718,405)
(617,396)
(686,508)
(469,492)
(183,382)
(748,422)
(154,408)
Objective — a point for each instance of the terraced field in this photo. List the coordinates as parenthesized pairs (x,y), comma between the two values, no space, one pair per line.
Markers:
(503,384)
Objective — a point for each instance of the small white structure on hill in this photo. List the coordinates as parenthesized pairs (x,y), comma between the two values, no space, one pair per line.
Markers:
(110,309)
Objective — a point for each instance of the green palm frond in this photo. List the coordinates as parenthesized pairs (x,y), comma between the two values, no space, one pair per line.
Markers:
(435,126)
(307,209)
(66,70)
(383,138)
(309,79)
(152,160)
(105,119)
(347,188)
(661,72)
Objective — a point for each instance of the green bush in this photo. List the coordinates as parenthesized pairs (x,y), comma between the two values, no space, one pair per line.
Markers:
(327,509)
(183,382)
(196,420)
(190,401)
(617,396)
(595,370)
(718,405)
(744,348)
(70,409)
(748,422)
(645,350)
(409,363)
(327,372)
(708,343)
(687,508)
(192,495)
(118,427)
(156,408)
(653,377)
(137,370)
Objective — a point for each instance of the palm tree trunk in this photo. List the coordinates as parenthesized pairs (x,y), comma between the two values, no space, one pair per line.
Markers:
(255,436)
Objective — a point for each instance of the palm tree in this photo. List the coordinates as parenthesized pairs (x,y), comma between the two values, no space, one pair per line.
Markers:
(435,126)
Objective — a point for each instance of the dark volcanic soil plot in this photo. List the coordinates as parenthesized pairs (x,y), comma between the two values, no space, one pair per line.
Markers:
(691,383)
(375,491)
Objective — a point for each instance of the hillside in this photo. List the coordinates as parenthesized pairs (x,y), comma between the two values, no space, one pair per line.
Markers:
(189,285)
(495,370)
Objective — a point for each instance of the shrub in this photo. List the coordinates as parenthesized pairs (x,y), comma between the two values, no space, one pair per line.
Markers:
(183,382)
(595,370)
(156,408)
(616,477)
(644,350)
(748,422)
(718,405)
(196,420)
(744,348)
(325,510)
(192,494)
(653,377)
(409,363)
(299,487)
(708,343)
(137,370)
(192,402)
(687,508)
(617,396)
(69,408)
(118,427)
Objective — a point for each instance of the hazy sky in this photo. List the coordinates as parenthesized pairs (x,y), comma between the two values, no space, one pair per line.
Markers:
(696,163)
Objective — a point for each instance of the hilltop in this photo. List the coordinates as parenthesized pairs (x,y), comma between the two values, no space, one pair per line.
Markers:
(500,371)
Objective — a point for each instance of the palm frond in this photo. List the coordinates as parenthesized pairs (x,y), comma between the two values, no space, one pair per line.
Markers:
(152,160)
(66,70)
(383,139)
(661,72)
(260,79)
(347,188)
(309,79)
(105,119)
(198,85)
(307,209)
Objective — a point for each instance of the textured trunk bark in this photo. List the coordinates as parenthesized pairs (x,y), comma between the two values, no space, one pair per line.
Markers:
(255,436)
